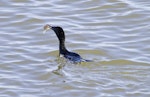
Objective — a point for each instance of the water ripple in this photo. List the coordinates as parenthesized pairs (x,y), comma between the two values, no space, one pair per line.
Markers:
(114,34)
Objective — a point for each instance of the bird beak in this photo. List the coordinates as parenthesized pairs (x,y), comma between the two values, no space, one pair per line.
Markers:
(44,31)
(46,28)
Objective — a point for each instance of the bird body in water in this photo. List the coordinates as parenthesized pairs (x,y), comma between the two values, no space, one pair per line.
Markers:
(74,57)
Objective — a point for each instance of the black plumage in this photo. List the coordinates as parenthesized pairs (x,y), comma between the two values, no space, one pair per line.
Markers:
(74,57)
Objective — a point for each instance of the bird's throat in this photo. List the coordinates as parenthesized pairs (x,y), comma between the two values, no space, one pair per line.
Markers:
(62,48)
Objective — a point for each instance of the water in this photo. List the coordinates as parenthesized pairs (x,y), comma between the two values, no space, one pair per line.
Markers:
(113,33)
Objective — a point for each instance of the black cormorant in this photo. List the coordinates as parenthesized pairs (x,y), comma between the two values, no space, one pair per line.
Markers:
(74,57)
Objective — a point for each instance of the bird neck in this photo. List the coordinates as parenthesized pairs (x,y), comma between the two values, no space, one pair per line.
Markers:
(61,37)
(62,48)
